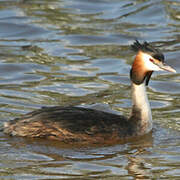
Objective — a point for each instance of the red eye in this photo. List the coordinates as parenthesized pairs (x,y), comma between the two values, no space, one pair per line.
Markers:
(151,60)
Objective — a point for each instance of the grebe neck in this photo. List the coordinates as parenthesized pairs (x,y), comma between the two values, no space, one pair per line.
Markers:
(141,111)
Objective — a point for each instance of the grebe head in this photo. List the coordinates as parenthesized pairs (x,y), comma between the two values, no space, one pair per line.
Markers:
(147,60)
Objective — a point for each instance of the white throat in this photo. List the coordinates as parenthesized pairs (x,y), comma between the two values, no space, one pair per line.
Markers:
(141,111)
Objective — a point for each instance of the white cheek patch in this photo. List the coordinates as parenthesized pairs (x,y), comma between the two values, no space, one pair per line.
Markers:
(148,64)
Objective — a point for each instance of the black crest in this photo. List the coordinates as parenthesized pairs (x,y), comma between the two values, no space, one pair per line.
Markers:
(149,49)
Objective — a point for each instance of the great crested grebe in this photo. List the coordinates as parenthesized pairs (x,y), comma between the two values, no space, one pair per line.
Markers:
(77,124)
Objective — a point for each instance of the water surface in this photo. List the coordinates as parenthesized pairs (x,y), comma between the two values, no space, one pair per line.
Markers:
(76,52)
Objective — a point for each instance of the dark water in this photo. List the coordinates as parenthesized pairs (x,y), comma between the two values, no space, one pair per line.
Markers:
(76,52)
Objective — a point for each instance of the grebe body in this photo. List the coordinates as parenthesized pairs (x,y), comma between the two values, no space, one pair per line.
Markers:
(77,124)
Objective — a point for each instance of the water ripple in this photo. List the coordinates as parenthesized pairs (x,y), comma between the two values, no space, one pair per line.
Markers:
(77,53)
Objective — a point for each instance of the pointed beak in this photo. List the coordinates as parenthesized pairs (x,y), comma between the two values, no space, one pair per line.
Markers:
(165,67)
